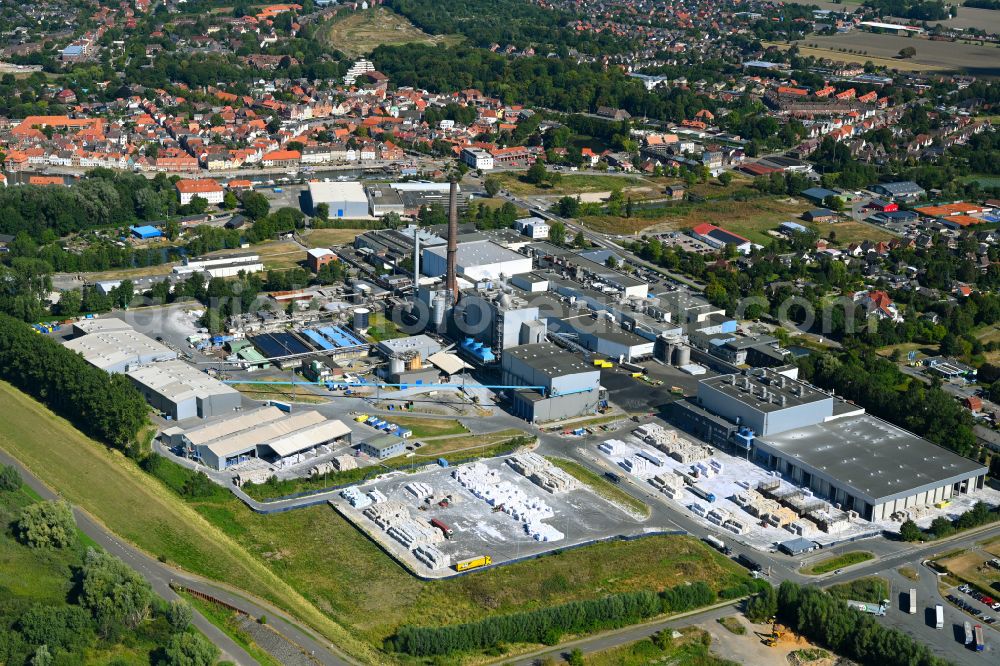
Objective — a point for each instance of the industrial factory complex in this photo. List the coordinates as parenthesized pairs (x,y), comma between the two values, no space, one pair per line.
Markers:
(504,325)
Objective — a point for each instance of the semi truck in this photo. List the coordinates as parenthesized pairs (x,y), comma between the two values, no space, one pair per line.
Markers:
(715,542)
(474,563)
(866,607)
(978,638)
(447,531)
(913,601)
(939,616)
(968,633)
(704,494)
(748,563)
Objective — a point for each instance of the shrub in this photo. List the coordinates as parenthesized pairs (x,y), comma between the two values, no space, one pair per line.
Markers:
(47,524)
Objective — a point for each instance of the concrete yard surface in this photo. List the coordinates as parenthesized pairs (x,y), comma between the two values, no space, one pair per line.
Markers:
(478,529)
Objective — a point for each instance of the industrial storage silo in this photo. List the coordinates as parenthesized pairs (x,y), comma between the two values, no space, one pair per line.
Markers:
(396,366)
(361,319)
(438,306)
(682,355)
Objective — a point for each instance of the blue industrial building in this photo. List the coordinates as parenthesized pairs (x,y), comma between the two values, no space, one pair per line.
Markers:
(146,232)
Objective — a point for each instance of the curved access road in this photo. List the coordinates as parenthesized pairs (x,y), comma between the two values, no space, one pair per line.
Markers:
(160,576)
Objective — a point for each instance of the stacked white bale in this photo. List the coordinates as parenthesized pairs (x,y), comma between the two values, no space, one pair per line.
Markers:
(527,463)
(322,468)
(419,490)
(431,557)
(355,498)
(376,496)
(611,447)
(387,514)
(698,509)
(635,464)
(540,531)
(410,533)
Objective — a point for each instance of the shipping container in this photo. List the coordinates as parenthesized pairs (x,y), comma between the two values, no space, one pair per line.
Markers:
(442,462)
(448,532)
(913,601)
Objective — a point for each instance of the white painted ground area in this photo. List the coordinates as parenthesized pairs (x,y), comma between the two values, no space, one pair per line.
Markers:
(739,474)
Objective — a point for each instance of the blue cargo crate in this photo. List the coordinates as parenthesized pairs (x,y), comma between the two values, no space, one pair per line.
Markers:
(442,462)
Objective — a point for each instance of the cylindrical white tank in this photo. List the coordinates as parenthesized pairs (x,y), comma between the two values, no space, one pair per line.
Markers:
(396,365)
(361,318)
(437,310)
(682,355)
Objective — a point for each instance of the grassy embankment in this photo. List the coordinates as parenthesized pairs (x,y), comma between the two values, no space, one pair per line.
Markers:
(139,509)
(311,560)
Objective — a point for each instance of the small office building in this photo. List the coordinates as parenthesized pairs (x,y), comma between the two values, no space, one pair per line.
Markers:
(383,447)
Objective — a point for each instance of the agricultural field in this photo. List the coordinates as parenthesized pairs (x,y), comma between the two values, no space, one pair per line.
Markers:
(883,49)
(359,33)
(109,486)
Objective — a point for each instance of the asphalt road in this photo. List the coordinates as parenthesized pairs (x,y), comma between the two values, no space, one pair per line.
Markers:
(160,575)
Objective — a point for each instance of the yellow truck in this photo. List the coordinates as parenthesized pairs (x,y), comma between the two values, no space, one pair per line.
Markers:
(361,418)
(474,563)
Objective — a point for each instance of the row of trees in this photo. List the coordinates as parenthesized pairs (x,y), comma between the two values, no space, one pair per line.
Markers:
(828,621)
(104,406)
(980,514)
(872,382)
(547,625)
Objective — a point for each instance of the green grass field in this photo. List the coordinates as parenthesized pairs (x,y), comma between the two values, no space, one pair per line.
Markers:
(383,328)
(570,183)
(838,562)
(601,486)
(143,511)
(331,237)
(688,650)
(47,577)
(363,594)
(430,427)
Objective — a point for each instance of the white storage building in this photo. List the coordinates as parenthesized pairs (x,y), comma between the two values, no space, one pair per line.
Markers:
(476,261)
(345,199)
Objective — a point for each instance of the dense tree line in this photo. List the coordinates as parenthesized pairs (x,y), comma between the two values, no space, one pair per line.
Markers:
(872,381)
(104,406)
(547,625)
(551,83)
(920,10)
(102,198)
(982,4)
(980,514)
(848,632)
(523,24)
